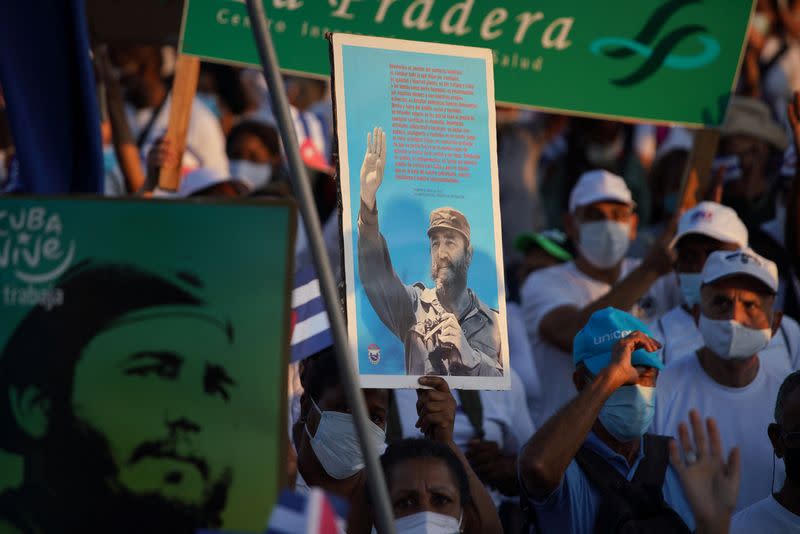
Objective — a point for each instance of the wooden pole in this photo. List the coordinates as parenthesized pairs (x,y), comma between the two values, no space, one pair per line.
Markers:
(187,71)
(697,174)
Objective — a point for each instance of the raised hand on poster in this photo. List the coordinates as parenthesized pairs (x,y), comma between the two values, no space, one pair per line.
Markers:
(372,168)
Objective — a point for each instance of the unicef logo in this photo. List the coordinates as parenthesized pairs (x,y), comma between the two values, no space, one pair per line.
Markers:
(658,54)
(33,249)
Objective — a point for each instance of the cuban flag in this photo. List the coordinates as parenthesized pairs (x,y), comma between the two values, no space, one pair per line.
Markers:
(311,331)
(313,513)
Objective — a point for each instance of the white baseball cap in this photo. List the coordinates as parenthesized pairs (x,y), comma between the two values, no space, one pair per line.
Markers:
(713,220)
(723,263)
(598,185)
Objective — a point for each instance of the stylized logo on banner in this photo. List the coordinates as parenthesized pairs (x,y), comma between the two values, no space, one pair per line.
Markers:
(33,247)
(659,54)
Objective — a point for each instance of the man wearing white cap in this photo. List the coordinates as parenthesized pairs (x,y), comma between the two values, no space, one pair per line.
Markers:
(725,379)
(702,230)
(557,301)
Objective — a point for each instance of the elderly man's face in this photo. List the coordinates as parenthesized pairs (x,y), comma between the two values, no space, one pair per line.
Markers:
(155,386)
(738,298)
(450,257)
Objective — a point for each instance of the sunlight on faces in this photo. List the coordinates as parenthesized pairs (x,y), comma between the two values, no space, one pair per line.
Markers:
(450,257)
(739,298)
(423,485)
(159,380)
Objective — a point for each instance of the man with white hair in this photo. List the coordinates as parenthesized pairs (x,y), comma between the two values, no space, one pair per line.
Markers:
(725,378)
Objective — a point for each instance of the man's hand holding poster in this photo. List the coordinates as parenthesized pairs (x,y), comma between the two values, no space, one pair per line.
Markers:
(427,180)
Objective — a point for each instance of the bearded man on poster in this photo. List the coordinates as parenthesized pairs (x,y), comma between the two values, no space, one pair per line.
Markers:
(446,330)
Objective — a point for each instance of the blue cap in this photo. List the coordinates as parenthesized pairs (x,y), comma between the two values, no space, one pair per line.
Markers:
(593,344)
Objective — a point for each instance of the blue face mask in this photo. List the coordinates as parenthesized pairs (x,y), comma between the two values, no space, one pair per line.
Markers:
(628,412)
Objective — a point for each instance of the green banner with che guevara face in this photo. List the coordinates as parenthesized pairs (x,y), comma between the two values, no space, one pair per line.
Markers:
(143,354)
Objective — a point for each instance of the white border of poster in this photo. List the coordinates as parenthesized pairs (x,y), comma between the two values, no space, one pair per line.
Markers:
(494,315)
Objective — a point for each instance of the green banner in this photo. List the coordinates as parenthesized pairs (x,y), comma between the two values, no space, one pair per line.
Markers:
(143,353)
(669,61)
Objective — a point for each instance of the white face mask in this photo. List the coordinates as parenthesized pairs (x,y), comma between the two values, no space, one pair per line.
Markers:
(731,340)
(690,287)
(426,523)
(604,243)
(257,175)
(628,412)
(336,445)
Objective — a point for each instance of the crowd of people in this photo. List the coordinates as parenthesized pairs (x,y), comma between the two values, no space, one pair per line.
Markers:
(654,351)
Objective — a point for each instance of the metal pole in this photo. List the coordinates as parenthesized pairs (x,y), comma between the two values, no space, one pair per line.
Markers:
(379,495)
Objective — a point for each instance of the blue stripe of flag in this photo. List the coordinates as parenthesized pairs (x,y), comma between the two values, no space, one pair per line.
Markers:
(310,309)
(312,345)
(304,276)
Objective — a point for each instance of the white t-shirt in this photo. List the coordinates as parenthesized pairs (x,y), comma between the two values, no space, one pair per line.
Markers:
(521,356)
(767,515)
(742,415)
(565,285)
(506,420)
(679,335)
(205,142)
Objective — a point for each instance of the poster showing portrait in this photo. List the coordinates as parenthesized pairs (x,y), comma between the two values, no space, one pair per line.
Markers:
(415,127)
(143,353)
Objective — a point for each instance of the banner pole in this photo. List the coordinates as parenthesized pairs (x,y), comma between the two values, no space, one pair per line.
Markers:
(697,173)
(379,495)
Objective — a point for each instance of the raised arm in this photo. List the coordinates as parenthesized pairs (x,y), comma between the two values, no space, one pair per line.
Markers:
(391,299)
(437,411)
(545,458)
(560,326)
